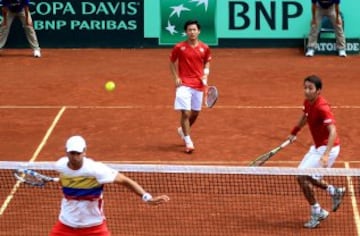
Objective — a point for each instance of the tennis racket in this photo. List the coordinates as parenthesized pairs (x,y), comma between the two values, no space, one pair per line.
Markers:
(211,96)
(265,157)
(33,178)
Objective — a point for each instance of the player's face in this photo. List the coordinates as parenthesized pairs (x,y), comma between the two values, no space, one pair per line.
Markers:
(310,91)
(75,159)
(192,32)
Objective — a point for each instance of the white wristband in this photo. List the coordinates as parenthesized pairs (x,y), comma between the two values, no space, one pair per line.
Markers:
(206,71)
(146,197)
(204,82)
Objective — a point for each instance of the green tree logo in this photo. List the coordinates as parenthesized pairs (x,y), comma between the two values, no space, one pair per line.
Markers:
(174,14)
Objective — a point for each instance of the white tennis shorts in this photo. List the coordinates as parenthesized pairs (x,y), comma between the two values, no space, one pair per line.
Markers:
(312,158)
(187,98)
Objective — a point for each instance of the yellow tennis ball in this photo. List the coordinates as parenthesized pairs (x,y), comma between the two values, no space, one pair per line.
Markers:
(110,86)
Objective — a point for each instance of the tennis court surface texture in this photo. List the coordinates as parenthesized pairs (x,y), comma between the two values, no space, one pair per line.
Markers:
(44,101)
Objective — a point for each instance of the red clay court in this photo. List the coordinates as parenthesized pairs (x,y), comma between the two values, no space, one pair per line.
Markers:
(44,101)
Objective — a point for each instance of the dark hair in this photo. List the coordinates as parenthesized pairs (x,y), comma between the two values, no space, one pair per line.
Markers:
(314,79)
(191,22)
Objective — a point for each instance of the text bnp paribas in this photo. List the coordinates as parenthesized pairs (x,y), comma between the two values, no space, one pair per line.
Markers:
(85,15)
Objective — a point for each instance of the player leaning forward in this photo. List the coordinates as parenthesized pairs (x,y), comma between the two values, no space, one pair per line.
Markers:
(326,148)
(82,181)
(190,77)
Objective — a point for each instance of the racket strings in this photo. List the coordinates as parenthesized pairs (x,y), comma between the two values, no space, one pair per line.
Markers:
(28,178)
(211,96)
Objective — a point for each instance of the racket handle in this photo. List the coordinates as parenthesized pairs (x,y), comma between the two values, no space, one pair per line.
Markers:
(287,142)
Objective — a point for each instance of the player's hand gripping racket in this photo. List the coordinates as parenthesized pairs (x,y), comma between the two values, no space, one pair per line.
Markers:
(32,177)
(211,96)
(265,157)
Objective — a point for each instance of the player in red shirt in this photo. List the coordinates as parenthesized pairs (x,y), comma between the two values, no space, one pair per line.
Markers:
(190,67)
(317,114)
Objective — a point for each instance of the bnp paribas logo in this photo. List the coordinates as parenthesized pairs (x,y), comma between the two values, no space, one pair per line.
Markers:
(174,14)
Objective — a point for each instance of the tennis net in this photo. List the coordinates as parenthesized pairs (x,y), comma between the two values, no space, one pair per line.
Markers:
(204,200)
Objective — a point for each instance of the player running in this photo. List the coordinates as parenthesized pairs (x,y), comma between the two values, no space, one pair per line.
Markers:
(317,114)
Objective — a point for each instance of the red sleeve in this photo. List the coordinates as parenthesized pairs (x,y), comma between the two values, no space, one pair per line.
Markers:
(174,54)
(207,55)
(326,115)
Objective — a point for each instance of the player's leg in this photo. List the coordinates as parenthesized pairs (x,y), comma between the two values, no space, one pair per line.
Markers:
(5,28)
(336,193)
(312,160)
(185,125)
(192,118)
(196,105)
(30,33)
(306,183)
(183,104)
(185,122)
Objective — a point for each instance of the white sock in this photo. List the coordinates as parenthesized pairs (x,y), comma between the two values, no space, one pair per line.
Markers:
(187,139)
(331,189)
(315,209)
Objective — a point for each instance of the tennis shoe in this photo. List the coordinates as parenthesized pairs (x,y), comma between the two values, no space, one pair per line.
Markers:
(180,132)
(189,147)
(310,52)
(37,53)
(316,218)
(342,53)
(337,198)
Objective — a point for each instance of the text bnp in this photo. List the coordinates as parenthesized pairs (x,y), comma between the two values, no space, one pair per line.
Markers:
(263,14)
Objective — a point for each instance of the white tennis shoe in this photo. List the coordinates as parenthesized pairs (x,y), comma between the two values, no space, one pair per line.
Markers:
(189,147)
(37,53)
(316,218)
(342,53)
(310,52)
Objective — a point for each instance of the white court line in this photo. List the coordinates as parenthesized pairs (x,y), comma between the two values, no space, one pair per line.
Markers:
(33,158)
(163,107)
(354,204)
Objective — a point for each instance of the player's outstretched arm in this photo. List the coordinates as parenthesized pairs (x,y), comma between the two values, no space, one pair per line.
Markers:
(301,123)
(134,186)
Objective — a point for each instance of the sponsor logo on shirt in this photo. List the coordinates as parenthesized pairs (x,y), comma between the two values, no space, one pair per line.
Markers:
(328,121)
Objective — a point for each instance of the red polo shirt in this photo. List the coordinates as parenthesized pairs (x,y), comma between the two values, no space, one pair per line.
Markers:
(319,116)
(191,61)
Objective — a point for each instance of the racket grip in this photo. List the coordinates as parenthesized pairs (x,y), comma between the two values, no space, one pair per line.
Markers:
(287,142)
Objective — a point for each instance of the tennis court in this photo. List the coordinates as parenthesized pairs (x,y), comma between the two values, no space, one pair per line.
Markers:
(260,100)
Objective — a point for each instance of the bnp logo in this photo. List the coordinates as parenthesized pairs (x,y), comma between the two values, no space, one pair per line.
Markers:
(175,13)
